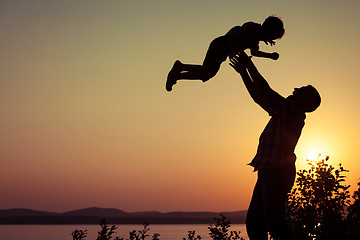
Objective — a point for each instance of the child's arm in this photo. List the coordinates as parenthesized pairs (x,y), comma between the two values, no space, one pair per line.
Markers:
(257,53)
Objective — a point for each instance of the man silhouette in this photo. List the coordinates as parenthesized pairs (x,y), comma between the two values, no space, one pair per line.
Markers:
(275,158)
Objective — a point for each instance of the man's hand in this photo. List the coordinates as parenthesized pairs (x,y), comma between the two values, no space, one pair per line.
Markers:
(238,61)
(274,56)
(236,64)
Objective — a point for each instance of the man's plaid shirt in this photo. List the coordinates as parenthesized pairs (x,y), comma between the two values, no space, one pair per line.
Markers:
(281,134)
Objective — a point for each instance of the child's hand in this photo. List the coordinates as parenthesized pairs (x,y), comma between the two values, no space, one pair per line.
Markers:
(270,41)
(274,56)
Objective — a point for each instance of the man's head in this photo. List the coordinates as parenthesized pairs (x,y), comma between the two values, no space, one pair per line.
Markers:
(307,97)
(273,28)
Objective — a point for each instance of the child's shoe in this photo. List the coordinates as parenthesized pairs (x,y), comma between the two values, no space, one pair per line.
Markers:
(170,82)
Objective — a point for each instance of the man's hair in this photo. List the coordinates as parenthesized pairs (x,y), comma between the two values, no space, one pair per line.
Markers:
(275,25)
(313,99)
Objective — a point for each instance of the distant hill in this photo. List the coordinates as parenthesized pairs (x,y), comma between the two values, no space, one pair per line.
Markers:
(15,212)
(95,211)
(93,215)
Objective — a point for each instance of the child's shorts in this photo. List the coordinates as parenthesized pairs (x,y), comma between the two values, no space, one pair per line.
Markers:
(216,54)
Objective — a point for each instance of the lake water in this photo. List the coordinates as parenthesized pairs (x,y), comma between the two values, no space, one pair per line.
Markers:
(63,232)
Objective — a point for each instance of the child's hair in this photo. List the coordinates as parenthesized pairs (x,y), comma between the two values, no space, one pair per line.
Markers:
(275,25)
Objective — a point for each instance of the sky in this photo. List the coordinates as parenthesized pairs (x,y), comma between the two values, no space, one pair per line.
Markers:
(86,120)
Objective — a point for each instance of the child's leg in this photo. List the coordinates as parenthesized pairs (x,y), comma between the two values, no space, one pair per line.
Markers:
(181,71)
(172,75)
(216,54)
(193,72)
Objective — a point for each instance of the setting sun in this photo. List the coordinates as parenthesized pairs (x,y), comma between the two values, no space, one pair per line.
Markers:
(313,155)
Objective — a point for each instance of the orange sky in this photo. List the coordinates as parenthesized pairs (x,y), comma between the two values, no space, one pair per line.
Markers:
(86,120)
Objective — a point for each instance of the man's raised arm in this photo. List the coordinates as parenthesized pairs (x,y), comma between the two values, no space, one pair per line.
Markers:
(239,67)
(257,86)
(259,81)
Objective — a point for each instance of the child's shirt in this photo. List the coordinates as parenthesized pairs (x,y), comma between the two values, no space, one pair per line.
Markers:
(244,37)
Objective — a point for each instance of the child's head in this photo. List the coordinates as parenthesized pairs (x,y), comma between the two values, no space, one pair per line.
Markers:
(307,97)
(273,27)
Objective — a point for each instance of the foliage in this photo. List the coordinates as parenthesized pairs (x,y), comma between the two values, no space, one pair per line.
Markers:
(191,236)
(141,234)
(316,206)
(353,217)
(221,230)
(79,234)
(156,236)
(106,233)
(218,232)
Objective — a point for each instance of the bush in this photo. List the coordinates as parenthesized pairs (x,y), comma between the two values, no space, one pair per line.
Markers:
(79,234)
(353,217)
(191,236)
(316,205)
(218,232)
(106,233)
(221,230)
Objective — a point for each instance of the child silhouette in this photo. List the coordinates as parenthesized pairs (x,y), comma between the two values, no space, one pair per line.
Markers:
(236,40)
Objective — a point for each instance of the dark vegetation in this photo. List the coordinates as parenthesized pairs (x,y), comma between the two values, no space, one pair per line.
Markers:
(319,207)
(219,231)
